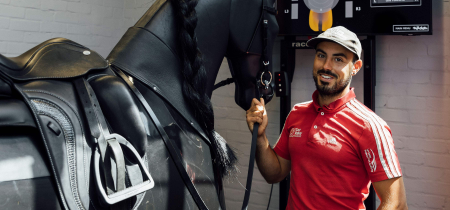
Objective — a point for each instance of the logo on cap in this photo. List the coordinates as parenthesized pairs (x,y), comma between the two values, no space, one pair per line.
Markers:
(335,32)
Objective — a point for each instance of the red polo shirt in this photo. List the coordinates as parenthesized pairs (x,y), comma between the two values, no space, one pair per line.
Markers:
(336,151)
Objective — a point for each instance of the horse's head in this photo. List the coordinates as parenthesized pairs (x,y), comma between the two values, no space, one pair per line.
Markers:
(245,48)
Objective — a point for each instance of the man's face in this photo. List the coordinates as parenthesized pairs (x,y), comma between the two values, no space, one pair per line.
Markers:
(332,68)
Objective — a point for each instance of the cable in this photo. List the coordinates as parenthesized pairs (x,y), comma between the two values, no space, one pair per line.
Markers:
(270,196)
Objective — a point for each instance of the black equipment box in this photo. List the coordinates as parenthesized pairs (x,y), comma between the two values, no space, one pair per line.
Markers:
(364,17)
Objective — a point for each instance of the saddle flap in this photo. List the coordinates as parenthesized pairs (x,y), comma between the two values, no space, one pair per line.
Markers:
(58,59)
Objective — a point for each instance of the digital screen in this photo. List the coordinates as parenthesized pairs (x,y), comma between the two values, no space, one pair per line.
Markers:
(394,3)
(364,17)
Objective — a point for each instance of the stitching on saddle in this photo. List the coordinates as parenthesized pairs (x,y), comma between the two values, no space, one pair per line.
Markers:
(78,118)
(69,134)
(67,103)
(82,131)
(27,100)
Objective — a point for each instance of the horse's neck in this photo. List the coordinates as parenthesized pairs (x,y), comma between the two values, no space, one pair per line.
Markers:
(212,33)
(149,51)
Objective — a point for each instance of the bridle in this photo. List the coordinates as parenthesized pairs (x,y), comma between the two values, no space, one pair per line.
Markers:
(264,76)
(263,90)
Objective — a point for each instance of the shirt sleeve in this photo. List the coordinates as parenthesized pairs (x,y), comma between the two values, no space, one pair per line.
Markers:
(378,152)
(282,145)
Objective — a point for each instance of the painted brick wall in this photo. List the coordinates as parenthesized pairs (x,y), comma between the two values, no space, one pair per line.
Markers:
(97,24)
(412,96)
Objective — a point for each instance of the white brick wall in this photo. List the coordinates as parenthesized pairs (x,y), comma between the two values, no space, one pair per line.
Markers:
(412,96)
(97,24)
(412,92)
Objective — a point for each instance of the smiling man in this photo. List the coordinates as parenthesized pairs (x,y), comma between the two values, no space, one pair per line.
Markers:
(333,146)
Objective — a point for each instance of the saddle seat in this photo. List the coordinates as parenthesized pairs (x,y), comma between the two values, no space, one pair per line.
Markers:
(19,62)
(54,58)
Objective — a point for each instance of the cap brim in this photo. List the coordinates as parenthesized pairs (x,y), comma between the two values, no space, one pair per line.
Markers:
(315,41)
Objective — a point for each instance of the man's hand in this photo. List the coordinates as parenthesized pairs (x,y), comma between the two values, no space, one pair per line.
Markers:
(272,167)
(257,113)
(391,193)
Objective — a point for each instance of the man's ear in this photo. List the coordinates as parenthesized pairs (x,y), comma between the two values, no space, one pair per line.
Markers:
(356,67)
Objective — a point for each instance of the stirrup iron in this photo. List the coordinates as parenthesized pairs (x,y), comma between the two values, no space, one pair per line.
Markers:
(118,145)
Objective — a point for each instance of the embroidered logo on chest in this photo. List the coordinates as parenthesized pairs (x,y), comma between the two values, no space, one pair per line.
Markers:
(295,132)
(371,159)
(332,141)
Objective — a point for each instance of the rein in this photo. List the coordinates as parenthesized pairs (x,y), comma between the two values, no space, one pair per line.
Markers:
(263,81)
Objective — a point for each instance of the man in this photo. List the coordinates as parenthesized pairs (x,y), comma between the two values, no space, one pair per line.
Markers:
(334,146)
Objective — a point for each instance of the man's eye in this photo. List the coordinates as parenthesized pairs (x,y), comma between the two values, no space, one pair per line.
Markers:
(338,59)
(321,56)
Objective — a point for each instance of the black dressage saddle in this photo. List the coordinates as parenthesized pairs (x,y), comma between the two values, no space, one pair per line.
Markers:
(90,123)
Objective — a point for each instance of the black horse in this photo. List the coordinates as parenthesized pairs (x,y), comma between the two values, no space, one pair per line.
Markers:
(173,72)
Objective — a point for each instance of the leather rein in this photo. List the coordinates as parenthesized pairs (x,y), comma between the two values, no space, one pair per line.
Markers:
(263,81)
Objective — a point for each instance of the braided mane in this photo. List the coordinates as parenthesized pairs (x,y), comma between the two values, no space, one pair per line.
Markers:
(194,84)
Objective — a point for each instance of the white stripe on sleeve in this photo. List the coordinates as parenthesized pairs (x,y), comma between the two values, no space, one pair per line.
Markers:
(375,134)
(383,135)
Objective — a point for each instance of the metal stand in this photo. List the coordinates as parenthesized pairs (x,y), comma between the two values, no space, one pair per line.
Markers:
(369,96)
(287,62)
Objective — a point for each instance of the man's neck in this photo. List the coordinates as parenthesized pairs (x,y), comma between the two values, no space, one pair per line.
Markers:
(327,100)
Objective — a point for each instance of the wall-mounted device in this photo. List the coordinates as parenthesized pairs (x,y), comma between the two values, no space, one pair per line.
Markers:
(282,84)
(364,17)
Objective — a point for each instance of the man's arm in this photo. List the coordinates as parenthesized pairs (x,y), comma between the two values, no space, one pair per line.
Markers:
(391,193)
(272,167)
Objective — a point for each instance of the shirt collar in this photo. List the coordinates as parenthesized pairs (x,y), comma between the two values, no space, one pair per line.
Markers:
(335,105)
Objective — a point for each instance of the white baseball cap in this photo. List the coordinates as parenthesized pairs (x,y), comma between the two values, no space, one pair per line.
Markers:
(339,35)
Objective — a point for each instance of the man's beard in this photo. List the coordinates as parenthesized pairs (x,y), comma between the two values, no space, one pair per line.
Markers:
(336,89)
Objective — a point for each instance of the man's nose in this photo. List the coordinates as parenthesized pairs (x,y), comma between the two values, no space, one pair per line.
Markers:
(327,65)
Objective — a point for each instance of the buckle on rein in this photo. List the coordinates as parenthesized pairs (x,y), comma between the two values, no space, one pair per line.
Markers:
(116,142)
(266,83)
